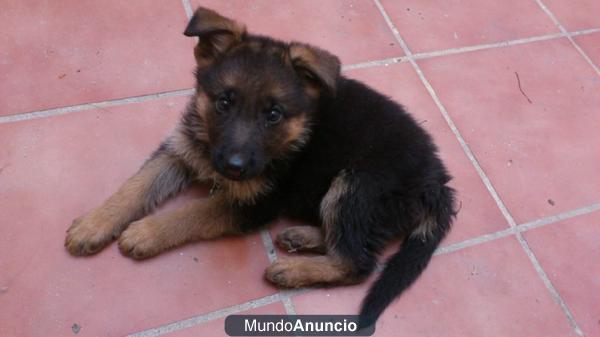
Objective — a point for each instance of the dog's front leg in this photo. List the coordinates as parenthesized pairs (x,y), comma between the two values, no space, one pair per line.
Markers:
(159,178)
(200,219)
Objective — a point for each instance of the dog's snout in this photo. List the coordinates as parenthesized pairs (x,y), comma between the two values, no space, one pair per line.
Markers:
(236,163)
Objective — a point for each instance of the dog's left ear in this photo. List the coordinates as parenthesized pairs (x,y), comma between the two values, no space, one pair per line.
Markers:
(316,66)
(216,33)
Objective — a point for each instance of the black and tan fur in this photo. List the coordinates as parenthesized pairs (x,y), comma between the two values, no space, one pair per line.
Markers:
(277,130)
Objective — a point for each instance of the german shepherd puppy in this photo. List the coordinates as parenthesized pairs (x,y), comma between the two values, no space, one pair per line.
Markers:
(276,130)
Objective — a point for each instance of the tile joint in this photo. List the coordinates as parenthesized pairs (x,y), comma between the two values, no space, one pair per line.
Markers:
(272,255)
(188,8)
(96,105)
(568,35)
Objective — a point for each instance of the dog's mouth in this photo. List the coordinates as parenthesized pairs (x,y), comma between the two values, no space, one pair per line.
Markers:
(236,173)
(233,175)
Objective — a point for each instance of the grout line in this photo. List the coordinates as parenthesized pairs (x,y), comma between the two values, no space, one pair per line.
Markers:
(289,306)
(272,254)
(569,36)
(501,44)
(384,62)
(393,28)
(542,274)
(90,106)
(474,241)
(376,63)
(540,271)
(285,296)
(268,243)
(221,313)
(558,217)
(188,8)
(584,32)
(211,316)
(518,229)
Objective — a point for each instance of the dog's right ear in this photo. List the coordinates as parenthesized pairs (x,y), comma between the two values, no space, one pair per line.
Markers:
(217,34)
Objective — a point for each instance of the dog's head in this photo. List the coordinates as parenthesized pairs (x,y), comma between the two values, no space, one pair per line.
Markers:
(256,96)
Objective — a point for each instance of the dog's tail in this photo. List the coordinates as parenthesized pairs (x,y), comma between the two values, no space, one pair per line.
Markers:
(405,266)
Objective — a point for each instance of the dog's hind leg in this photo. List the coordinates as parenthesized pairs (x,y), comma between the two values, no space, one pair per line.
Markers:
(305,271)
(160,177)
(302,239)
(349,258)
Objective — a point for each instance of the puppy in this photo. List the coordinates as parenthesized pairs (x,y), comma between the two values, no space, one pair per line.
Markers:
(276,130)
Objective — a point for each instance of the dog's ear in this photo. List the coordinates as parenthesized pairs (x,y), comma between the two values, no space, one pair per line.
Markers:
(317,67)
(217,34)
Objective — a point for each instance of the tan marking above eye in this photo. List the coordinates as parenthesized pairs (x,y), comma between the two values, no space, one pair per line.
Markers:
(202,104)
(297,129)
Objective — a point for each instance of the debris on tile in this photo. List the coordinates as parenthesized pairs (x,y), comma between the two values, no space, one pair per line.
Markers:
(551,202)
(61,76)
(521,89)
(76,328)
(509,163)
(195,259)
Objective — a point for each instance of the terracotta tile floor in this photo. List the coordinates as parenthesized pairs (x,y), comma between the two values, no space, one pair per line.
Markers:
(88,89)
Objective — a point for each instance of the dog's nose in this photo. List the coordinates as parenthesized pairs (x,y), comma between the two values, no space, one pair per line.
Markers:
(236,164)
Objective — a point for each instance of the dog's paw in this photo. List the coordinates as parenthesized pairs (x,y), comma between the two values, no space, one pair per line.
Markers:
(285,273)
(140,240)
(88,235)
(301,238)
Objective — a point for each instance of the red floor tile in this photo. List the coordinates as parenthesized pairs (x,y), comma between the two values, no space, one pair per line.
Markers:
(568,252)
(354,31)
(54,169)
(434,25)
(216,328)
(591,46)
(487,290)
(540,156)
(575,14)
(58,53)
(478,213)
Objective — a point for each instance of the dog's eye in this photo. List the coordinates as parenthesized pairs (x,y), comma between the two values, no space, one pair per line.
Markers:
(223,104)
(274,115)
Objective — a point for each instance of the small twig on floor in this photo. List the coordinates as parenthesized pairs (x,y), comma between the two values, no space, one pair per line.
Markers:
(521,89)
